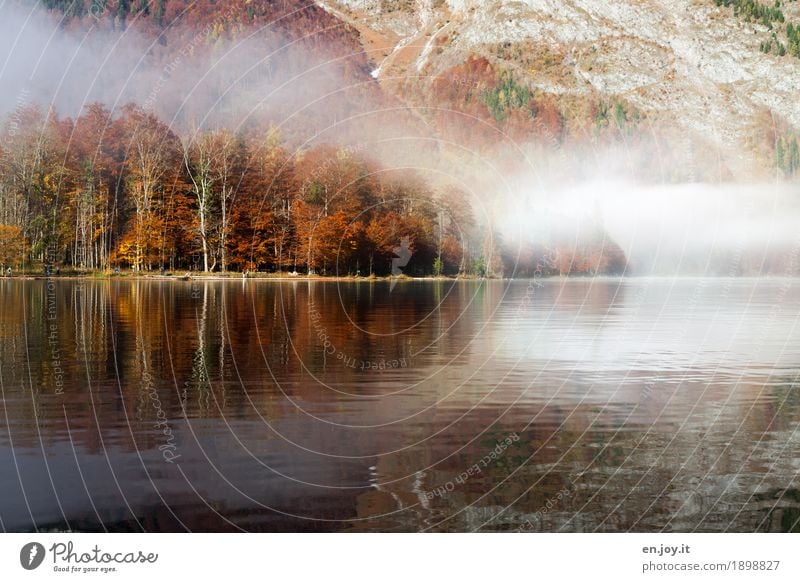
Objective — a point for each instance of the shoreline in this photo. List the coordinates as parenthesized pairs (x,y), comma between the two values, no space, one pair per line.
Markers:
(215,277)
(229,277)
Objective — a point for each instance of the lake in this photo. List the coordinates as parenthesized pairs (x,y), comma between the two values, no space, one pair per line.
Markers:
(573,405)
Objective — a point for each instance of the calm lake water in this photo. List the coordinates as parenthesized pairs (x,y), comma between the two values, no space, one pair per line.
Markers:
(580,405)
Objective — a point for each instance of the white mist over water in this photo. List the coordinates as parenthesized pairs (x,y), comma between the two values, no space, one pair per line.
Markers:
(670,229)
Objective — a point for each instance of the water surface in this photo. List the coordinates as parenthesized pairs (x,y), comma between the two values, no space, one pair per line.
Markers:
(577,405)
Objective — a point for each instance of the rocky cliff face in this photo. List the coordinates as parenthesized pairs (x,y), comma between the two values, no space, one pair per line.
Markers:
(692,69)
(705,92)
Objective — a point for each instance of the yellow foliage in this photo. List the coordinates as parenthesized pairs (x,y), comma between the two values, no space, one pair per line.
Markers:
(13,246)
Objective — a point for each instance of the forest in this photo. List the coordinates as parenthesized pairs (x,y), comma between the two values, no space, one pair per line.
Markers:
(119,189)
(107,191)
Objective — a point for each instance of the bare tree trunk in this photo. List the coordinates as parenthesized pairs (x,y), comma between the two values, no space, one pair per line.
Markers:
(197,158)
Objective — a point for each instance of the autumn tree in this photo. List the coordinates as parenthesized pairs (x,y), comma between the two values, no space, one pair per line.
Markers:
(31,171)
(198,157)
(454,229)
(384,232)
(227,173)
(13,246)
(90,189)
(264,213)
(335,186)
(151,161)
(122,189)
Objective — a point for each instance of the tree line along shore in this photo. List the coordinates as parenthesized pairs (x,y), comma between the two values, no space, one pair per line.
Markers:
(109,192)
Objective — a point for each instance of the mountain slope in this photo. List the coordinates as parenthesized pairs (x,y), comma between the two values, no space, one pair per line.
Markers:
(691,68)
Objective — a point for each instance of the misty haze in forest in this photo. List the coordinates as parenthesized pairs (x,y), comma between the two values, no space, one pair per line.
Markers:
(592,213)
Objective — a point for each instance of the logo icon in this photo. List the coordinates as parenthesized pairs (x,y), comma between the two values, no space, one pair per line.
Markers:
(31,555)
(403,256)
